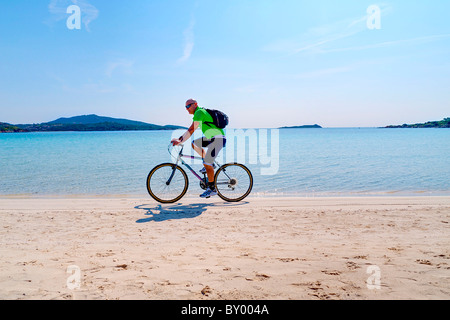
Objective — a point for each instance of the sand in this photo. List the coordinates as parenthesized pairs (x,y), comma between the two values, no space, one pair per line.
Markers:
(260,249)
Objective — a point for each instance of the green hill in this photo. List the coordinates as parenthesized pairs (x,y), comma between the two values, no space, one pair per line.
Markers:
(445,123)
(6,127)
(90,122)
(94,119)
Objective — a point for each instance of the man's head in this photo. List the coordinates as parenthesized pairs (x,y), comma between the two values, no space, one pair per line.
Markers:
(191,106)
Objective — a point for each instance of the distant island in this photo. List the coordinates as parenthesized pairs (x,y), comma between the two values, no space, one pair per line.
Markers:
(314,126)
(90,122)
(445,123)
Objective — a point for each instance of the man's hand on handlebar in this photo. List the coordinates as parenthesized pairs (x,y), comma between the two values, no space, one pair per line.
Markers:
(175,142)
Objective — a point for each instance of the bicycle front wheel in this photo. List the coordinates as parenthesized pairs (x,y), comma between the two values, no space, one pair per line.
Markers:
(233,182)
(167,183)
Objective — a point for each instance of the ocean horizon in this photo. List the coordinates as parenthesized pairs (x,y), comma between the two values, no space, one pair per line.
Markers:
(362,161)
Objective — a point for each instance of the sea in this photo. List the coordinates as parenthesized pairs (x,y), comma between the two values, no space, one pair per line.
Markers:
(284,162)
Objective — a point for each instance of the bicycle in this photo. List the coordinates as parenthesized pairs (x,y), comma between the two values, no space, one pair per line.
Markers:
(168,182)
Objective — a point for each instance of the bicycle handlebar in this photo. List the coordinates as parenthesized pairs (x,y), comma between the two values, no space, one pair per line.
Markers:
(178,145)
(172,146)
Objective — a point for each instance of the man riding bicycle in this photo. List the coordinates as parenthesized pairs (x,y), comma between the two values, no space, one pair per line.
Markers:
(214,140)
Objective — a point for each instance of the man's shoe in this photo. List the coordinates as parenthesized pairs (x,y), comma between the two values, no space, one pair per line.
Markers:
(208,193)
(203,170)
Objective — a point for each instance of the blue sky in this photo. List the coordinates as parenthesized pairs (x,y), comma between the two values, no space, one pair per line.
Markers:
(265,63)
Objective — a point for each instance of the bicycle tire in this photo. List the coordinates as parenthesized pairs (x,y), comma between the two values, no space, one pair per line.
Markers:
(156,195)
(220,191)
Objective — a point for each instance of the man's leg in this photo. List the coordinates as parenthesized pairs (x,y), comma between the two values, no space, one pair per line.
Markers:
(211,189)
(197,146)
(210,174)
(214,148)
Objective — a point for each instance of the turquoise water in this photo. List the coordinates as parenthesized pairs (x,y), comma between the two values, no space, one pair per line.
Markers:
(310,162)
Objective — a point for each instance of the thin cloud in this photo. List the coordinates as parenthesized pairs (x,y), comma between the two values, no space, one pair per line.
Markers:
(122,64)
(310,47)
(58,10)
(57,7)
(188,34)
(316,38)
(324,72)
(413,41)
(89,12)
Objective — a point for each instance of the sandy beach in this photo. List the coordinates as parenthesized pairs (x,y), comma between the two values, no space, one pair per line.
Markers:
(263,248)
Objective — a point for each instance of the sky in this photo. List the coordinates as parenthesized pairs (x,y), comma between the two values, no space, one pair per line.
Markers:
(349,63)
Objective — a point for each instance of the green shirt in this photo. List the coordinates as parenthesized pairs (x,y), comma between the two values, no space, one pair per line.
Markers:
(205,119)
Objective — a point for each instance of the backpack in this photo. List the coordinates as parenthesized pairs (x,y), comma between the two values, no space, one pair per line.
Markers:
(220,119)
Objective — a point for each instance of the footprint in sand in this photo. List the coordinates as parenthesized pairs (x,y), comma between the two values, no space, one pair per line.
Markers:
(206,290)
(331,272)
(423,261)
(259,277)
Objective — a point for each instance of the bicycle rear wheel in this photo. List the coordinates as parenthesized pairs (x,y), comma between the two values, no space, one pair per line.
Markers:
(233,182)
(167,183)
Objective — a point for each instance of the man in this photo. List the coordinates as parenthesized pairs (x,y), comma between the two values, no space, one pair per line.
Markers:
(214,140)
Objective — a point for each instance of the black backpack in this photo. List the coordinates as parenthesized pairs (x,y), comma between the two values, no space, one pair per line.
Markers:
(220,119)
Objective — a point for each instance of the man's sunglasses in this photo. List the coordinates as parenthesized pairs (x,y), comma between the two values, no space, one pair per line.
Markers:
(189,105)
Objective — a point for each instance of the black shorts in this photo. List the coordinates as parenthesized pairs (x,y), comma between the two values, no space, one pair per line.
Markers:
(214,145)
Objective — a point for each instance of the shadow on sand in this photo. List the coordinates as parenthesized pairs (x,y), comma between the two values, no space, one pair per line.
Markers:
(162,213)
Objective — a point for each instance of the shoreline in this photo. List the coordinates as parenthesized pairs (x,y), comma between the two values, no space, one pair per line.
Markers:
(259,249)
(254,195)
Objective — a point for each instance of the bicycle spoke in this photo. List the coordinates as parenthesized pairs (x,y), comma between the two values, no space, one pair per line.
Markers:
(158,187)
(234,182)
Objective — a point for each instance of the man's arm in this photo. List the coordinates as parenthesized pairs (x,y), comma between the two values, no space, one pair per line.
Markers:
(187,134)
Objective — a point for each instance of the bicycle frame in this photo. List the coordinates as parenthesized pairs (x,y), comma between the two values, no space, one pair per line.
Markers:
(180,158)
